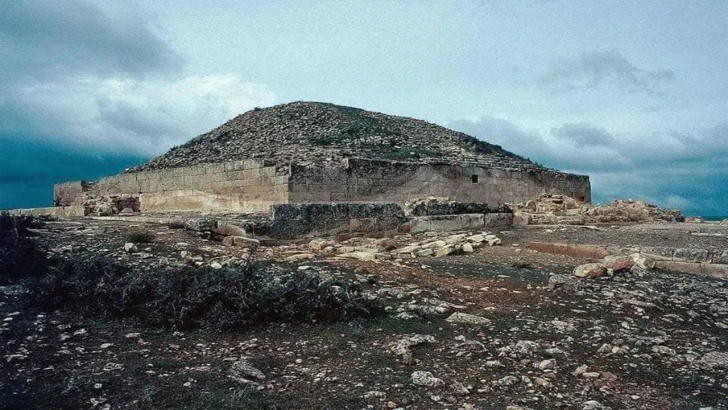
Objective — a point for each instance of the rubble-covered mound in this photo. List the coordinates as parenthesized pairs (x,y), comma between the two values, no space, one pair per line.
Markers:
(562,209)
(314,132)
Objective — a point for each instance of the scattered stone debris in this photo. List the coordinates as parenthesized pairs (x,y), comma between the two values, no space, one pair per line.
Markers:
(402,348)
(560,209)
(537,336)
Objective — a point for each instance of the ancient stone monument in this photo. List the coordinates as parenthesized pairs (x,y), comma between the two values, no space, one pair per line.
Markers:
(309,152)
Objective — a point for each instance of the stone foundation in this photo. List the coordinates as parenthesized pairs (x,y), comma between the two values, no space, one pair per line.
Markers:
(301,220)
(76,211)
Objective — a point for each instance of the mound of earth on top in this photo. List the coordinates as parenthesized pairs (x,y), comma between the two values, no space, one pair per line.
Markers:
(321,133)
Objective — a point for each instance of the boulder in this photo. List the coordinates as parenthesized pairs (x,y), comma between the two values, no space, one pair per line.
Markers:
(643,261)
(241,242)
(444,251)
(130,247)
(402,348)
(243,371)
(409,249)
(299,257)
(319,244)
(467,319)
(590,270)
(201,224)
(227,229)
(479,238)
(424,378)
(361,255)
(562,281)
(618,263)
(492,240)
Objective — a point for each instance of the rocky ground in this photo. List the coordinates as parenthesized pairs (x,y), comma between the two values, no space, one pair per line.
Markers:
(322,133)
(492,327)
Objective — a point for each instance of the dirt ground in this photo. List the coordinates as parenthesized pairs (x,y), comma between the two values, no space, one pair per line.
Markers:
(637,340)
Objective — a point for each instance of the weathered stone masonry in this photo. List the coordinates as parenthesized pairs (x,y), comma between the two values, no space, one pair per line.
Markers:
(242,186)
(360,180)
(253,186)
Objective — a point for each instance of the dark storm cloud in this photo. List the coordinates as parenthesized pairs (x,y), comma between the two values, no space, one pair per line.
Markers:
(49,40)
(594,69)
(28,170)
(584,135)
(44,47)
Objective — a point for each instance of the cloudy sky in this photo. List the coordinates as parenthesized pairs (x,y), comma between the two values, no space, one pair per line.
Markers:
(632,93)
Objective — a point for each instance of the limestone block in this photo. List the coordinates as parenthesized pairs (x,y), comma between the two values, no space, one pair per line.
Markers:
(472,221)
(280,180)
(446,222)
(268,171)
(687,267)
(715,270)
(251,173)
(252,164)
(217,168)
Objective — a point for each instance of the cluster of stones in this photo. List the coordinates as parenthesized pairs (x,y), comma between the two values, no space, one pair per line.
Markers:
(384,249)
(561,209)
(102,205)
(320,133)
(453,244)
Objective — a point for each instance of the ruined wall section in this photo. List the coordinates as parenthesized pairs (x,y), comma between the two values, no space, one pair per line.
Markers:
(70,193)
(71,211)
(397,182)
(240,186)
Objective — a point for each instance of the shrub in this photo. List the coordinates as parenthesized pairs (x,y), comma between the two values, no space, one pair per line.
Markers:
(140,237)
(176,224)
(189,298)
(20,255)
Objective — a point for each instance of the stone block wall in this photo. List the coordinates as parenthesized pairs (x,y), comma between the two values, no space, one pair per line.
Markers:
(240,186)
(297,220)
(253,186)
(383,181)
